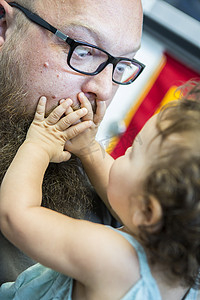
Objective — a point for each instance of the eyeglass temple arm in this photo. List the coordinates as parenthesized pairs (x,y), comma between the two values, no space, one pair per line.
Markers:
(39,21)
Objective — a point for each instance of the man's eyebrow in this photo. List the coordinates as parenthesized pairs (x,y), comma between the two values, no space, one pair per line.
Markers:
(98,35)
(91,30)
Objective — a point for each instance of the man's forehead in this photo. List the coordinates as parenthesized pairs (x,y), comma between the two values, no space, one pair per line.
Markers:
(104,23)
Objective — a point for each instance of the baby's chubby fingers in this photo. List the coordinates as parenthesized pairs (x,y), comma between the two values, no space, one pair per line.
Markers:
(69,109)
(100,111)
(40,110)
(76,129)
(58,112)
(86,103)
(71,119)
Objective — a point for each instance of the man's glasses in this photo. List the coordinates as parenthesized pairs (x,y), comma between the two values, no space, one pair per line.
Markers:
(89,59)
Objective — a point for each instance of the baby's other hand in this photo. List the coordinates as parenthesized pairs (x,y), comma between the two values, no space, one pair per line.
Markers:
(85,144)
(50,134)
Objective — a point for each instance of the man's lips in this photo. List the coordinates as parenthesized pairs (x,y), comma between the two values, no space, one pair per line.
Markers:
(78,105)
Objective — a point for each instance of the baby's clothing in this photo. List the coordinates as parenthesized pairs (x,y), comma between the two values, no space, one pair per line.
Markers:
(146,288)
(38,283)
(41,283)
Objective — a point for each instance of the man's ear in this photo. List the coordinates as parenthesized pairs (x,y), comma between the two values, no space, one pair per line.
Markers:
(6,14)
(147,213)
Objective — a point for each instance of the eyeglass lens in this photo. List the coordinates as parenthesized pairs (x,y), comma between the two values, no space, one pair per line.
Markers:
(87,59)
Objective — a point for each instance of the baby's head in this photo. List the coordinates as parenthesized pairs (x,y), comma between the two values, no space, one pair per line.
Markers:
(173,181)
(155,187)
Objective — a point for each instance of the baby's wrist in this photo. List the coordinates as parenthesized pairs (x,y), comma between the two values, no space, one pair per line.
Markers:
(88,153)
(36,149)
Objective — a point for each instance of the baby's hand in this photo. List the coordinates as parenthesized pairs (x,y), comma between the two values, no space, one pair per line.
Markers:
(51,133)
(85,144)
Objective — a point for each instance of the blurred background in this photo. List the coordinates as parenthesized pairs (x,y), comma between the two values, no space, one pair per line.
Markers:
(171,52)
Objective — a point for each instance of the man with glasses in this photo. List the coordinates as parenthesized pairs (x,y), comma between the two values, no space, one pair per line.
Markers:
(58,49)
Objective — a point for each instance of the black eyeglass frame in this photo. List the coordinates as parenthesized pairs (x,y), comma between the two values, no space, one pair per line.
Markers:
(73,44)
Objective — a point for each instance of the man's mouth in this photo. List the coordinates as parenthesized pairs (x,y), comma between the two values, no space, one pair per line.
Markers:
(94,106)
(78,106)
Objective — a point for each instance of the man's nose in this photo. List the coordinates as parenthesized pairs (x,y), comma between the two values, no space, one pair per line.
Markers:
(100,85)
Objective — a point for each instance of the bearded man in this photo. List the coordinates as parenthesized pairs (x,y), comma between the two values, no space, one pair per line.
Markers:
(37,60)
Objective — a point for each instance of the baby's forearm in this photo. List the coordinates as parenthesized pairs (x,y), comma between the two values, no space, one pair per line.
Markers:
(97,163)
(22,185)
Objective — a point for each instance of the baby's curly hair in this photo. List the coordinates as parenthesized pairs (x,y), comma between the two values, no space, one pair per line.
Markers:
(174,179)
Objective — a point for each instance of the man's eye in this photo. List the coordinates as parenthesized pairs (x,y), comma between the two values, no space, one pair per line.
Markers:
(121,67)
(83,51)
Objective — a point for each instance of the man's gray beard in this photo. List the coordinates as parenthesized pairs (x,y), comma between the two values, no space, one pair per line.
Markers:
(65,188)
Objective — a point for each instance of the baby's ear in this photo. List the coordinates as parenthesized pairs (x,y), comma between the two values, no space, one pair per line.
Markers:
(6,15)
(147,213)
